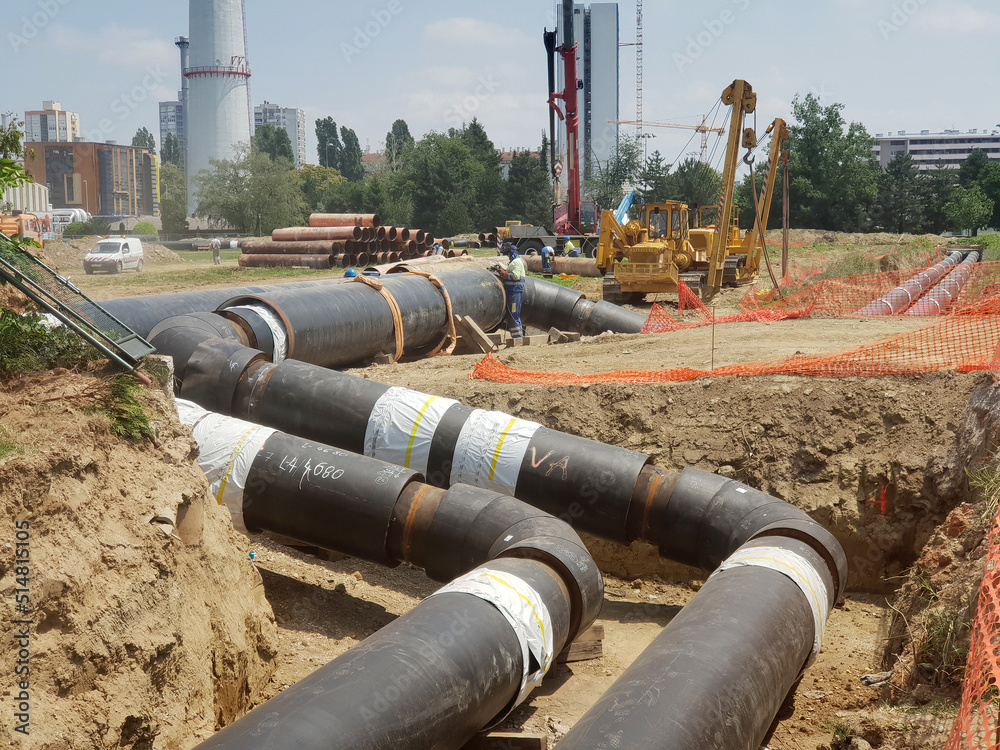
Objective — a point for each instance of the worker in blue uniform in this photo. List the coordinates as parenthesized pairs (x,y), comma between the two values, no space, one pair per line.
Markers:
(547,253)
(513,286)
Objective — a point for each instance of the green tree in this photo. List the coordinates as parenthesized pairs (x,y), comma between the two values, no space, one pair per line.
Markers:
(833,172)
(971,170)
(607,187)
(144,139)
(328,145)
(397,141)
(969,208)
(173,199)
(696,183)
(441,171)
(654,179)
(316,182)
(901,202)
(250,193)
(171,151)
(528,191)
(12,171)
(350,159)
(274,142)
(937,186)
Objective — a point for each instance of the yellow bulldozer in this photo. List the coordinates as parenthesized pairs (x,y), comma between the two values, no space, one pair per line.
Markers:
(658,248)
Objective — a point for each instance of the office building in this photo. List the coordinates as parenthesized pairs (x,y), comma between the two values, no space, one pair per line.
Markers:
(104,179)
(597,35)
(291,120)
(949,148)
(51,124)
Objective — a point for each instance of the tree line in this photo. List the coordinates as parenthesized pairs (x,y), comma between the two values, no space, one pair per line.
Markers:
(446,183)
(835,182)
(454,182)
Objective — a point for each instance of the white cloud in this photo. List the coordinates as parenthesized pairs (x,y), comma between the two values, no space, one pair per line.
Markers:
(958,18)
(117,47)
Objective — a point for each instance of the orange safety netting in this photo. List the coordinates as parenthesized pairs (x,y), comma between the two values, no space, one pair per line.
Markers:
(977,726)
(965,340)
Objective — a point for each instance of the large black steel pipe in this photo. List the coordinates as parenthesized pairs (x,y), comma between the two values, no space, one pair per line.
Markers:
(718,673)
(475,646)
(548,305)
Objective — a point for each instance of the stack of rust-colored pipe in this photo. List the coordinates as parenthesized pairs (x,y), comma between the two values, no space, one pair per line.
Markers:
(337,241)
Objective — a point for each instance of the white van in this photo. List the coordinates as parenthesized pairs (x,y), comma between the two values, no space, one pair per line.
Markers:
(114,255)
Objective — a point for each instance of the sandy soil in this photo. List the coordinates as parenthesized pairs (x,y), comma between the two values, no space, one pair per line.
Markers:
(149,626)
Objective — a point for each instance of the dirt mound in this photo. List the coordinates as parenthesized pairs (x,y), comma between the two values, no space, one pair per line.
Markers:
(60,254)
(822,237)
(149,626)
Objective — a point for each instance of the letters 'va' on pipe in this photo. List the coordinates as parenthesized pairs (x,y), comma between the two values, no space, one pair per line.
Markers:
(939,300)
(902,297)
(489,658)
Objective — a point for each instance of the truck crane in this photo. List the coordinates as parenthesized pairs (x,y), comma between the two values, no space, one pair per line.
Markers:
(657,250)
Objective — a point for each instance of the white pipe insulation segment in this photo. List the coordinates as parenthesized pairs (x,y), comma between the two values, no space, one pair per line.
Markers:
(797,569)
(525,611)
(488,452)
(226,451)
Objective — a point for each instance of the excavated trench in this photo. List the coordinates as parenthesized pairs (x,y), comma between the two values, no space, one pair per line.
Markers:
(878,461)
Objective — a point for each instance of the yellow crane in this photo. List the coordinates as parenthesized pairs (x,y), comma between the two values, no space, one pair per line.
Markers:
(657,249)
(702,128)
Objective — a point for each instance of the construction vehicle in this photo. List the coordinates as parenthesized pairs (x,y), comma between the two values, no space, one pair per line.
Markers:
(658,249)
(26,226)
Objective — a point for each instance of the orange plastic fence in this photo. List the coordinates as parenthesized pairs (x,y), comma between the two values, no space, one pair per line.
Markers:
(965,340)
(977,726)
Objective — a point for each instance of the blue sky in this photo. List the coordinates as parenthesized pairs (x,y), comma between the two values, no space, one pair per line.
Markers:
(894,64)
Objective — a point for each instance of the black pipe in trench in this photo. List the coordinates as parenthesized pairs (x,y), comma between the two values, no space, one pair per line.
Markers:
(456,645)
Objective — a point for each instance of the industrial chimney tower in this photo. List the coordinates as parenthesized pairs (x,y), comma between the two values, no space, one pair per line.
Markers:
(218,84)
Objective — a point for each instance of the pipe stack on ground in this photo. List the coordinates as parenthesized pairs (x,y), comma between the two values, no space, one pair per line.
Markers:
(337,241)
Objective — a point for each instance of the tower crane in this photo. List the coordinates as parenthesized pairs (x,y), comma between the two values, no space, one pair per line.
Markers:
(701,128)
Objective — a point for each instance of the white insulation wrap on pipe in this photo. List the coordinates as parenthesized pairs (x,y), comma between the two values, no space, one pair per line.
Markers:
(490,449)
(799,570)
(226,450)
(401,427)
(523,608)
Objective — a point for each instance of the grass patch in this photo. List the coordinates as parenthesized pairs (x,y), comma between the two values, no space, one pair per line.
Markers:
(945,645)
(8,446)
(986,481)
(989,242)
(126,410)
(27,344)
(556,279)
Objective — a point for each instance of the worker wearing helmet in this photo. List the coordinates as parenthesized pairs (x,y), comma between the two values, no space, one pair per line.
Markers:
(513,286)
(547,254)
